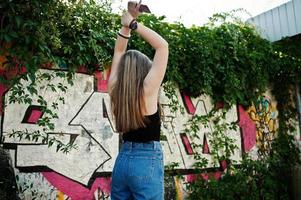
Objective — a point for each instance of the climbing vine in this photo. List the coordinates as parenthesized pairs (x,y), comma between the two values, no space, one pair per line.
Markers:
(226,59)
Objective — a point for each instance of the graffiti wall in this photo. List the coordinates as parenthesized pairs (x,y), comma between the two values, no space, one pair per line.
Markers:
(84,119)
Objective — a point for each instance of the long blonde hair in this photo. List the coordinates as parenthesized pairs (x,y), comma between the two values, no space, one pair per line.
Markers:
(127,94)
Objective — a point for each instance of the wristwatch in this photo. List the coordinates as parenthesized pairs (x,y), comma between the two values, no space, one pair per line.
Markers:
(133,25)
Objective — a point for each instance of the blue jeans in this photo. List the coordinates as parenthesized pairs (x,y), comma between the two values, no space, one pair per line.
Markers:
(138,172)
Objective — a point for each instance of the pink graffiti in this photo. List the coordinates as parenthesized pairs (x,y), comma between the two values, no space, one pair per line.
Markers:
(75,190)
(223,165)
(34,116)
(205,146)
(101,78)
(219,105)
(187,144)
(12,72)
(102,82)
(3,88)
(188,103)
(248,129)
(246,124)
(190,178)
(82,69)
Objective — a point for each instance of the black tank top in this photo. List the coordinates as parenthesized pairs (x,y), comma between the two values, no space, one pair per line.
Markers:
(146,134)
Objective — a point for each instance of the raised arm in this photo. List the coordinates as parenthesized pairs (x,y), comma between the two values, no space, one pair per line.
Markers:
(119,49)
(156,74)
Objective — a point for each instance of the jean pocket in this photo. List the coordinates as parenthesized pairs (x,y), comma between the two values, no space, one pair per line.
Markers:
(142,168)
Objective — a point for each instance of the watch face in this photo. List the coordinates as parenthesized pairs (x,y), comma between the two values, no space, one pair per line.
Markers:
(133,25)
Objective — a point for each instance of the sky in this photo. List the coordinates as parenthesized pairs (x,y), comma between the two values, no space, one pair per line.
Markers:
(197,12)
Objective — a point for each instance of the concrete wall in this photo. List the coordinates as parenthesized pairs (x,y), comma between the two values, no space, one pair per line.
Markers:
(85,120)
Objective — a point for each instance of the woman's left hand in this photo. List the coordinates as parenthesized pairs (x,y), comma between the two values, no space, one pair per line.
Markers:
(126,19)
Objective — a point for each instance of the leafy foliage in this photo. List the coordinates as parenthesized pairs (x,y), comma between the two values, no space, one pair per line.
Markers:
(266,178)
(226,59)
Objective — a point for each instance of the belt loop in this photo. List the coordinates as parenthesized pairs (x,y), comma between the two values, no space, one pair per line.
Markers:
(158,145)
(154,144)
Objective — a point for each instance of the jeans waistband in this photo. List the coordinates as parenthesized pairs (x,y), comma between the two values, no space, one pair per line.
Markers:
(156,145)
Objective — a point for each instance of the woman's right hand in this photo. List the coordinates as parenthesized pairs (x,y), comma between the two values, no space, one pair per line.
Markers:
(133,8)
